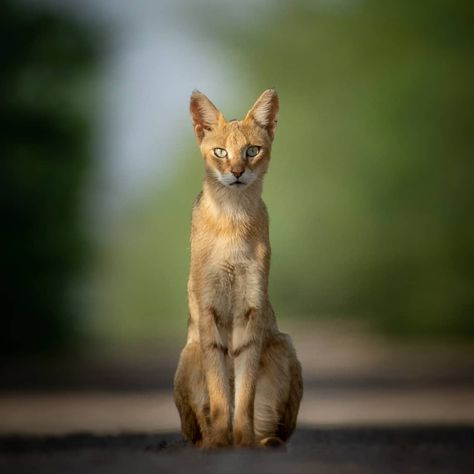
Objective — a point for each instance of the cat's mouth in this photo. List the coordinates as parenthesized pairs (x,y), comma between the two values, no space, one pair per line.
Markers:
(237,183)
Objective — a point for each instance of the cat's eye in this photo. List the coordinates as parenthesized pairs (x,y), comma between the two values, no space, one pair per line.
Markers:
(220,152)
(252,151)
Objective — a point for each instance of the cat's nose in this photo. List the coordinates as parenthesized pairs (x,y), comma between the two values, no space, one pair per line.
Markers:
(237,172)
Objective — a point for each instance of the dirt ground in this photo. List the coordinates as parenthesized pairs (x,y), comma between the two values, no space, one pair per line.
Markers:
(343,450)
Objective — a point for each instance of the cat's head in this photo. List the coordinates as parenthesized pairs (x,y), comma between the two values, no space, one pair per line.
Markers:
(236,152)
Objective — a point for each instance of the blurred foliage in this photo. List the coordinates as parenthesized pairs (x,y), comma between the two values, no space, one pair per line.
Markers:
(370,187)
(375,152)
(43,139)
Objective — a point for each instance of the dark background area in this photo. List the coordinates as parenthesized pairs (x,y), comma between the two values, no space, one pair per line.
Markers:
(44,135)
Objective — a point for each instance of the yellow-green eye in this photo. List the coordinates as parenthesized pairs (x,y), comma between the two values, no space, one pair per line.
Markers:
(220,152)
(252,151)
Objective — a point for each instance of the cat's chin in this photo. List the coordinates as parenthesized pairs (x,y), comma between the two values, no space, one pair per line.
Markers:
(236,186)
(233,185)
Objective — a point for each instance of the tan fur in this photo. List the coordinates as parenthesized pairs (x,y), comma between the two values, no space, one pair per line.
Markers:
(238,379)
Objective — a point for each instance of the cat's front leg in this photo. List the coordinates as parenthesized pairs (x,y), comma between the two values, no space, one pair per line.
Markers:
(246,351)
(214,350)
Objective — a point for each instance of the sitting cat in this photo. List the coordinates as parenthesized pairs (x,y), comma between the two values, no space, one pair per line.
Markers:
(238,380)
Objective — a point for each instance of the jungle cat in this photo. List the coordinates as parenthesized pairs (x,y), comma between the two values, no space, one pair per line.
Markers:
(238,380)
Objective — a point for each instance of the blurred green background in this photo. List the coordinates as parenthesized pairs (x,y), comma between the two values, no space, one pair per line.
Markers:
(369,191)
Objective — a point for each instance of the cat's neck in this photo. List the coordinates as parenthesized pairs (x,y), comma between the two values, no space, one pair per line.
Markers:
(235,204)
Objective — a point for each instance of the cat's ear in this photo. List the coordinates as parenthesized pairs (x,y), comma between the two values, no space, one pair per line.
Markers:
(204,113)
(265,111)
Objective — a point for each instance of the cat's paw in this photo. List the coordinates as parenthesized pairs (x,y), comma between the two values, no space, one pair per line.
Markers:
(244,437)
(272,442)
(216,441)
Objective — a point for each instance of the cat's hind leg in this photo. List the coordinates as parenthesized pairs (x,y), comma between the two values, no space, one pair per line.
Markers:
(278,392)
(190,394)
